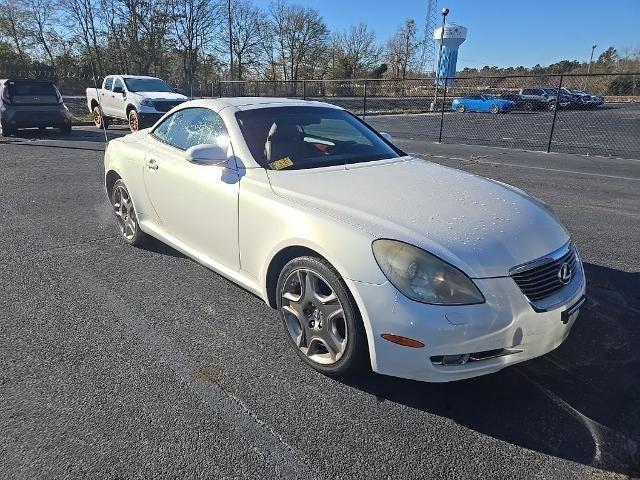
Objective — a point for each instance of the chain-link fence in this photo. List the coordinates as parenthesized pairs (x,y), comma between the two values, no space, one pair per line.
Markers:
(597,114)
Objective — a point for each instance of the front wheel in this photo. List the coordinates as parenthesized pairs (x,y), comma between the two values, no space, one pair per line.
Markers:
(99,120)
(320,318)
(134,121)
(460,108)
(126,215)
(494,109)
(551,106)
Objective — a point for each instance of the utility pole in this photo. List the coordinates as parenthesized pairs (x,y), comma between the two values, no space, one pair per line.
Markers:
(593,47)
(230,42)
(445,12)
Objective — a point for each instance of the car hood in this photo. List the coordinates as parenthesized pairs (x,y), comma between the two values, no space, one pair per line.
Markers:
(160,95)
(482,226)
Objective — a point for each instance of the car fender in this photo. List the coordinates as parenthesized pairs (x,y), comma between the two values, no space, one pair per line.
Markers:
(127,161)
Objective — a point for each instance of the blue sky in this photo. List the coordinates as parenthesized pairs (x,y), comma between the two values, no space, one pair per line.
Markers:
(502,32)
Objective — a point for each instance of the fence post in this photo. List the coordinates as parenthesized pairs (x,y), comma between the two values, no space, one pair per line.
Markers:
(444,100)
(364,101)
(219,88)
(555,114)
(304,89)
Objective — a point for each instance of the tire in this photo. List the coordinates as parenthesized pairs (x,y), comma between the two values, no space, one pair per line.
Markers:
(66,128)
(98,118)
(494,109)
(461,108)
(528,107)
(125,214)
(551,106)
(319,315)
(6,131)
(134,120)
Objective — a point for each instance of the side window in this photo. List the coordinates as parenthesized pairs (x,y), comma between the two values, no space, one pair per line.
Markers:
(192,126)
(108,83)
(118,83)
(334,129)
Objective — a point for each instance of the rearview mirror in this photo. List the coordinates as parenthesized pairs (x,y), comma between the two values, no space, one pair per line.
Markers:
(207,154)
(387,136)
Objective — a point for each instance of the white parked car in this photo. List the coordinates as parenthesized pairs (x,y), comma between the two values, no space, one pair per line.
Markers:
(370,255)
(139,100)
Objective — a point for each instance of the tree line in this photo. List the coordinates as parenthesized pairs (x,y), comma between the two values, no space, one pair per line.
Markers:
(199,42)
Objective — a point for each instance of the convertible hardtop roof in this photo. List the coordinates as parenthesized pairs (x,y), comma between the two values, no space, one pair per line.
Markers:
(249,103)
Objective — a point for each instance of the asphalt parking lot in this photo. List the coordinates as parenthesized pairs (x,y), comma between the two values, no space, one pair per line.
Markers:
(609,130)
(120,362)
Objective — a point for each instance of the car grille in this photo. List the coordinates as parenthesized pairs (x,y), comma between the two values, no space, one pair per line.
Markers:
(165,106)
(540,281)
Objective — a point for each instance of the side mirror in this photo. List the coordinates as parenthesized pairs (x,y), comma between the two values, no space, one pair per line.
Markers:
(207,154)
(387,136)
(118,90)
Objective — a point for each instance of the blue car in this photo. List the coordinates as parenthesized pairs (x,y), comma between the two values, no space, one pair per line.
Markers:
(482,103)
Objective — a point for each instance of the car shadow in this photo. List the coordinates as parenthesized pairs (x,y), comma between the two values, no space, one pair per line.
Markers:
(156,246)
(580,402)
(79,133)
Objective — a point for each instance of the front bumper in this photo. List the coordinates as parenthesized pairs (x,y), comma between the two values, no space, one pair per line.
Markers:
(147,119)
(505,322)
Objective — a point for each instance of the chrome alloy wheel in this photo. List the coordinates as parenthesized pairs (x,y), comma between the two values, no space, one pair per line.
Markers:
(314,316)
(125,213)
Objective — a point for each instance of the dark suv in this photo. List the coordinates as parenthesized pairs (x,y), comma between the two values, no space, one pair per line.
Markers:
(31,103)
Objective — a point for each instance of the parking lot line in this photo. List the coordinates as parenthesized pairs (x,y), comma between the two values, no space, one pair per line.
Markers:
(531,167)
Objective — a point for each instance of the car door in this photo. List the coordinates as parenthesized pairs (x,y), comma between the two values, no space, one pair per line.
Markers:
(197,204)
(114,104)
(475,103)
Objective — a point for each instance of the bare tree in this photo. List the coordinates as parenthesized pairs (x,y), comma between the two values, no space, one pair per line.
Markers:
(41,15)
(301,38)
(13,23)
(193,22)
(402,50)
(358,50)
(245,39)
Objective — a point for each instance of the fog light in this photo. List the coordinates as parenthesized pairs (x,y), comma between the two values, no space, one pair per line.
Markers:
(455,359)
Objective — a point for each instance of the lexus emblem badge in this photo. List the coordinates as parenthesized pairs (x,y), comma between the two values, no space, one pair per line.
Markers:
(564,274)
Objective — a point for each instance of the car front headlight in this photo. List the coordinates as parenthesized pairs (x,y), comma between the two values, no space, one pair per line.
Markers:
(146,103)
(423,277)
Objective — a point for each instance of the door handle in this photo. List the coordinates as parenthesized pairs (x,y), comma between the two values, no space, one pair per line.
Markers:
(152,164)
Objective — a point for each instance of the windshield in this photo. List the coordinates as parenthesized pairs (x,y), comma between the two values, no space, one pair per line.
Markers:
(308,137)
(147,85)
(26,88)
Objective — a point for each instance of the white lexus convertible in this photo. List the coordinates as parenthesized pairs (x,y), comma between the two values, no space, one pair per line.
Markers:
(371,256)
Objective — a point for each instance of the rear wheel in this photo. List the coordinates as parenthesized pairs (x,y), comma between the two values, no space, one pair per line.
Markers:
(98,118)
(65,128)
(528,107)
(126,215)
(320,318)
(134,121)
(461,108)
(551,106)
(494,109)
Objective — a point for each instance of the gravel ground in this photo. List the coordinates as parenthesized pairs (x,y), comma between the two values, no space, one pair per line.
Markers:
(120,362)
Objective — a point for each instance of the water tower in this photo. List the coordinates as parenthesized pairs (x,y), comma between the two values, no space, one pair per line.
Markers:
(452,38)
